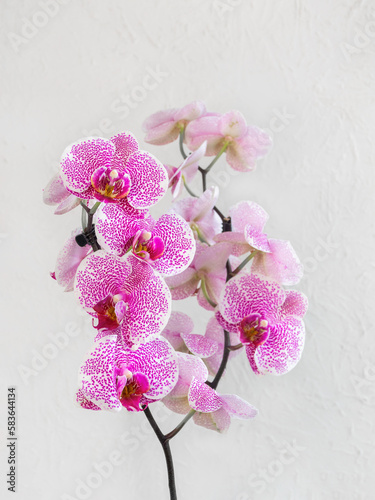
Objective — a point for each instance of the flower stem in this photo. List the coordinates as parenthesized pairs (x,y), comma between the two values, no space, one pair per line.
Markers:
(177,429)
(243,264)
(164,441)
(224,361)
(181,143)
(222,150)
(187,188)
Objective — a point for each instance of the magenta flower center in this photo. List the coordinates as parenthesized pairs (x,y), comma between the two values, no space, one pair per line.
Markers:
(147,247)
(110,183)
(130,388)
(254,329)
(110,311)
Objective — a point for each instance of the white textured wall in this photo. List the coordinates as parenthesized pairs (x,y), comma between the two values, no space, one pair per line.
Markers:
(312,62)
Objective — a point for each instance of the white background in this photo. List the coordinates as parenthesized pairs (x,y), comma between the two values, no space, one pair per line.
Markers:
(305,71)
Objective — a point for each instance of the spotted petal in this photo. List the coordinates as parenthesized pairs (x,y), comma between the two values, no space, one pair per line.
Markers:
(203,398)
(238,407)
(199,345)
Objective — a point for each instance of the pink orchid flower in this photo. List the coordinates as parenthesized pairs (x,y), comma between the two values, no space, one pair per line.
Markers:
(206,276)
(55,193)
(267,319)
(243,143)
(167,245)
(275,259)
(113,170)
(68,260)
(216,410)
(199,213)
(123,294)
(113,376)
(164,127)
(186,172)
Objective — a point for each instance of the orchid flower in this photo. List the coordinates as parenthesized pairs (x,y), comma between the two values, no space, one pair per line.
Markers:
(113,170)
(113,376)
(123,294)
(275,259)
(167,245)
(267,319)
(229,133)
(164,127)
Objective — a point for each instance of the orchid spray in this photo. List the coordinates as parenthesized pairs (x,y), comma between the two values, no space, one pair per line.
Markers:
(126,268)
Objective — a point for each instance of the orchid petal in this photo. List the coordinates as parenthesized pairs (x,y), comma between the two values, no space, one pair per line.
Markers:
(203,398)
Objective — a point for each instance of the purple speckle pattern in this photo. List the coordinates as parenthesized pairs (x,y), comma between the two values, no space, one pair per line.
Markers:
(248,294)
(147,296)
(203,398)
(199,345)
(155,360)
(246,213)
(149,179)
(126,145)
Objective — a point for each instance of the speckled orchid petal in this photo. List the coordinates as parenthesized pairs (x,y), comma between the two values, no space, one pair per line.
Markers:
(282,264)
(84,402)
(243,152)
(55,192)
(250,353)
(216,421)
(189,367)
(238,407)
(177,404)
(149,304)
(183,285)
(126,145)
(157,360)
(256,239)
(230,327)
(247,212)
(97,375)
(149,180)
(179,244)
(199,345)
(116,227)
(67,205)
(68,260)
(203,398)
(179,323)
(215,332)
(213,258)
(295,304)
(81,159)
(283,348)
(248,293)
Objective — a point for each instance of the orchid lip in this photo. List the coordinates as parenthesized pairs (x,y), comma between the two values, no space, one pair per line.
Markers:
(148,247)
(110,183)
(254,329)
(130,388)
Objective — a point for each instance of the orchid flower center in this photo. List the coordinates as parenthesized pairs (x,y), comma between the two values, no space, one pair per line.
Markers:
(146,246)
(130,388)
(111,311)
(254,329)
(110,183)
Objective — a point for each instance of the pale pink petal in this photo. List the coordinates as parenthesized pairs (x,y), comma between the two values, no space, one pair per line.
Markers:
(179,244)
(238,407)
(214,286)
(242,153)
(68,260)
(214,258)
(199,345)
(248,293)
(256,239)
(283,349)
(183,285)
(247,212)
(203,398)
(295,304)
(216,421)
(161,127)
(205,203)
(177,404)
(179,323)
(149,180)
(156,360)
(67,205)
(159,118)
(239,245)
(190,112)
(206,128)
(97,375)
(282,264)
(55,192)
(233,124)
(215,332)
(82,158)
